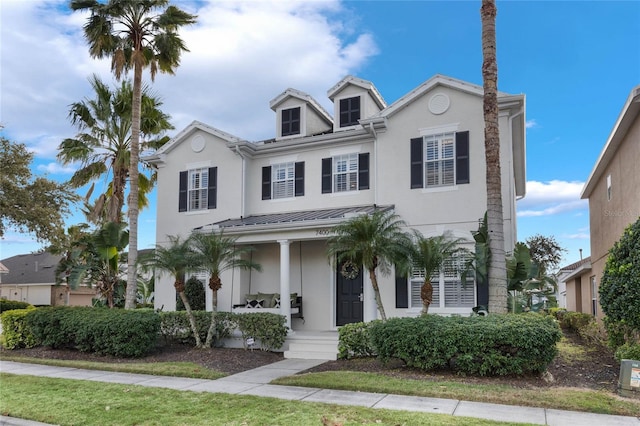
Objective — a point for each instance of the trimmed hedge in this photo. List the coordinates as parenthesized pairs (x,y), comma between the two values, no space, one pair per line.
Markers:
(355,341)
(15,333)
(105,331)
(9,305)
(267,328)
(485,346)
(175,326)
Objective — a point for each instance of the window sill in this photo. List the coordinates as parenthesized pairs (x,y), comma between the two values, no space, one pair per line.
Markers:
(439,189)
(196,212)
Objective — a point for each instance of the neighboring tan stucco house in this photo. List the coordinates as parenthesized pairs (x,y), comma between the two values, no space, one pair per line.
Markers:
(421,157)
(613,191)
(31,278)
(574,284)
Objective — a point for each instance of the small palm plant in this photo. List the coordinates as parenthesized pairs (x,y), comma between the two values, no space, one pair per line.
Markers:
(375,241)
(216,253)
(177,259)
(429,255)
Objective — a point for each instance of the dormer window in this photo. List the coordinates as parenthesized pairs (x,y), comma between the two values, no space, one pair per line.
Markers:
(349,111)
(291,121)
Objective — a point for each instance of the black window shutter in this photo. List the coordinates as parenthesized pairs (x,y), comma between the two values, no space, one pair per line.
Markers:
(402,292)
(363,171)
(462,157)
(417,177)
(299,179)
(212,191)
(326,175)
(266,183)
(182,193)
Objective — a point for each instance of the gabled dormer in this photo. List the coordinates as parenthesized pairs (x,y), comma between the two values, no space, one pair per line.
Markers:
(298,115)
(354,99)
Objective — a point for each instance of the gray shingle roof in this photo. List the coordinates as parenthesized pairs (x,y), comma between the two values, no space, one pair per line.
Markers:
(31,268)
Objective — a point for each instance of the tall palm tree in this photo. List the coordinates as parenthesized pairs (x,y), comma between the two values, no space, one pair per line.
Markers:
(135,34)
(497,269)
(177,259)
(216,253)
(429,255)
(375,241)
(102,146)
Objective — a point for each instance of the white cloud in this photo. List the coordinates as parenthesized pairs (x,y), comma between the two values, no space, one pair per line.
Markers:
(551,198)
(242,55)
(55,168)
(578,236)
(531,123)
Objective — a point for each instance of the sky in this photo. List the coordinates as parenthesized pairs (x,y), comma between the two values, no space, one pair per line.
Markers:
(576,62)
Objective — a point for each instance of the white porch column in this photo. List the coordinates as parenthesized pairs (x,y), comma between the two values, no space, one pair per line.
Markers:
(285,284)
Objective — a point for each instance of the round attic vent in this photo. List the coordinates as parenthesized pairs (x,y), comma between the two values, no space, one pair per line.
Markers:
(197,143)
(439,103)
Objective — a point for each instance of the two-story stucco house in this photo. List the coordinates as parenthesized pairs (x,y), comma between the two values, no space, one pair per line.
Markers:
(614,203)
(422,157)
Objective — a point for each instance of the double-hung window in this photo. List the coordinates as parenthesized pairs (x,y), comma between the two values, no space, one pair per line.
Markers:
(345,172)
(198,189)
(440,160)
(448,289)
(283,180)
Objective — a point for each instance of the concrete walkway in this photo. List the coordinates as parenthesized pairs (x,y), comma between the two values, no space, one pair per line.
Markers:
(256,382)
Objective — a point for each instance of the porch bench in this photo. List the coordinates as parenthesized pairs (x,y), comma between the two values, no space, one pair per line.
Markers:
(296,309)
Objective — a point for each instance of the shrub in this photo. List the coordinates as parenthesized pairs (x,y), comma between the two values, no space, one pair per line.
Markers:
(9,305)
(628,351)
(105,331)
(574,321)
(15,333)
(194,290)
(355,341)
(492,345)
(175,326)
(557,313)
(267,328)
(620,285)
(594,334)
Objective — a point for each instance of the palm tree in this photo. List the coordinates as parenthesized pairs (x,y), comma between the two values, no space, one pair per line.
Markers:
(177,259)
(135,34)
(375,241)
(429,255)
(497,269)
(216,253)
(102,146)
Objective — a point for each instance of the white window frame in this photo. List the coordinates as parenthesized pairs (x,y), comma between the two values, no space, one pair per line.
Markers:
(439,160)
(594,295)
(345,172)
(198,189)
(283,176)
(442,282)
(608,187)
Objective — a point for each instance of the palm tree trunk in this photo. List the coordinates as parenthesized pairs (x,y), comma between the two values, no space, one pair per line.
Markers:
(426,294)
(192,319)
(132,282)
(114,209)
(376,292)
(497,270)
(215,284)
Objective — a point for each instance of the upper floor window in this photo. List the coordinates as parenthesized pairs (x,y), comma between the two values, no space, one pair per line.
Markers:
(440,160)
(291,121)
(608,187)
(349,111)
(283,180)
(594,296)
(342,173)
(198,189)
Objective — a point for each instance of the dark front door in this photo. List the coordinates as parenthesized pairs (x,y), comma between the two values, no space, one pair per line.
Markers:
(348,294)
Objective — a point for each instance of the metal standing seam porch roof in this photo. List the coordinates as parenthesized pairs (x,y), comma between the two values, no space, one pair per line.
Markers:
(299,217)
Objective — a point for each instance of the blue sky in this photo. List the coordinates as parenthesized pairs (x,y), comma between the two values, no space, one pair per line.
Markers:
(576,61)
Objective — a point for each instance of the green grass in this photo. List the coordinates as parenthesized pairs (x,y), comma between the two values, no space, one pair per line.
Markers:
(175,369)
(570,352)
(63,401)
(558,398)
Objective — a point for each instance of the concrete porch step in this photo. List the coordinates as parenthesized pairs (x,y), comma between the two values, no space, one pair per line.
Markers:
(313,347)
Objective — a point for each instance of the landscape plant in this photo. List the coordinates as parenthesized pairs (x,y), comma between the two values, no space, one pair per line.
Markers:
(268,329)
(135,34)
(377,241)
(194,291)
(15,332)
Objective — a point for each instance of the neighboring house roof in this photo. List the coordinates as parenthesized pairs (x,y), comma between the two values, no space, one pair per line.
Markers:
(3,269)
(575,269)
(293,93)
(628,115)
(33,268)
(295,219)
(365,84)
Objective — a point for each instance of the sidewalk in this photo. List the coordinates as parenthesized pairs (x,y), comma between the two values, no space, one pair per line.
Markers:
(256,382)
